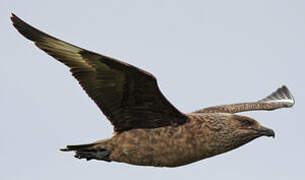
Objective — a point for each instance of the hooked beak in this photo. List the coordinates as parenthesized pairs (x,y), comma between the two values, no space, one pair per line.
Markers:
(265,131)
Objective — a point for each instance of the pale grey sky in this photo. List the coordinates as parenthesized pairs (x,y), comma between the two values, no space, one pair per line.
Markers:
(202,52)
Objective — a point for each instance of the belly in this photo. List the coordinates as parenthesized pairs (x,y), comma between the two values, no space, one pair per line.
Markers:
(165,146)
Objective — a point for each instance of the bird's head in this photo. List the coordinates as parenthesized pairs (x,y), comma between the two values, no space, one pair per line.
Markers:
(230,131)
(245,128)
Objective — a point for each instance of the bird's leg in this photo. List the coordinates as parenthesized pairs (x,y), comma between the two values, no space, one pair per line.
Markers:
(88,154)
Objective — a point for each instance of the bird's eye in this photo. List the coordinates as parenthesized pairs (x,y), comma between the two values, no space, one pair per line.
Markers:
(246,122)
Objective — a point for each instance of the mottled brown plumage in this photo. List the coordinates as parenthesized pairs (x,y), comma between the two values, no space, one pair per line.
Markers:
(149,130)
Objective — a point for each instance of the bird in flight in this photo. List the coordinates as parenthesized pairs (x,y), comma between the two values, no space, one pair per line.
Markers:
(149,130)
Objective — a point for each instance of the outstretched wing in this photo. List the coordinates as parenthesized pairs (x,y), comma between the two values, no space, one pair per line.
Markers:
(281,98)
(128,96)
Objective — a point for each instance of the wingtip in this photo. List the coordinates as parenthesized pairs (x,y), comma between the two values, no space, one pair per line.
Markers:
(284,90)
(27,30)
(281,95)
(16,21)
(13,17)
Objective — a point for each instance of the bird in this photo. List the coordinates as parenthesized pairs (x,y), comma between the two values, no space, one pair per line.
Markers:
(148,129)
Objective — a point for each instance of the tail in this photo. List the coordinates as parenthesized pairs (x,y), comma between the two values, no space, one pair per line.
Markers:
(89,151)
(78,147)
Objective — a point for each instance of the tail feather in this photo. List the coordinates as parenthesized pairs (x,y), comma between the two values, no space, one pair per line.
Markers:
(88,152)
(77,147)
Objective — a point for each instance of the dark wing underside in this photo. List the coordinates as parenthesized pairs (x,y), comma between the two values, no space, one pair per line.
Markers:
(128,96)
(281,98)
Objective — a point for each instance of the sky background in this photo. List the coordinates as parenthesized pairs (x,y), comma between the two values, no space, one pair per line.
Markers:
(202,52)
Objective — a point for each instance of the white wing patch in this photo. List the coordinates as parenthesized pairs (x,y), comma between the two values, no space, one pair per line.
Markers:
(62,50)
(281,96)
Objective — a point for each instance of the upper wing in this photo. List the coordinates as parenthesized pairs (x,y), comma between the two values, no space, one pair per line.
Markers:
(281,98)
(128,96)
